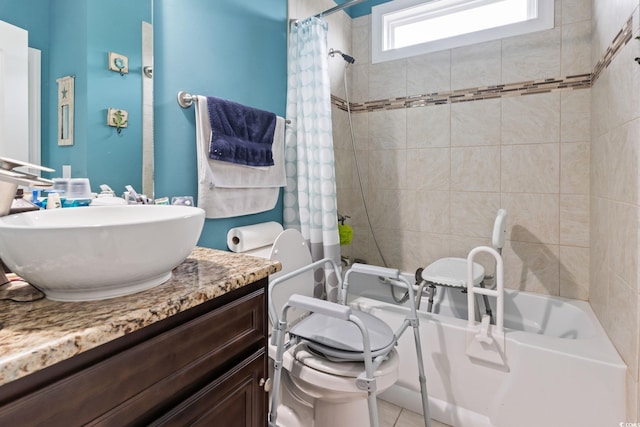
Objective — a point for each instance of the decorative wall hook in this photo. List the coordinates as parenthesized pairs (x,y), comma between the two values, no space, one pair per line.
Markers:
(117,118)
(118,63)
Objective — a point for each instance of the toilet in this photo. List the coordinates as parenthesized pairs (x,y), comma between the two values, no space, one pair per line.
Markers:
(318,386)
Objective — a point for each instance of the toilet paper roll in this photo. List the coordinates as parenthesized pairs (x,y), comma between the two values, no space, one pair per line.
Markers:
(244,239)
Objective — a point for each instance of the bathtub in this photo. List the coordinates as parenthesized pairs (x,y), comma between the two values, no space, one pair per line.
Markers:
(561,369)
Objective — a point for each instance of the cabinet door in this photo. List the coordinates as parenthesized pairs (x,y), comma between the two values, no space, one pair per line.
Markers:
(235,400)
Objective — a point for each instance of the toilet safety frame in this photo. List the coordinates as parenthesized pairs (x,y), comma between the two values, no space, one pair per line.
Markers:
(366,380)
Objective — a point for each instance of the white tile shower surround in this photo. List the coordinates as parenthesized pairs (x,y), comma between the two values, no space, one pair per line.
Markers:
(395,416)
(517,138)
(597,201)
(592,212)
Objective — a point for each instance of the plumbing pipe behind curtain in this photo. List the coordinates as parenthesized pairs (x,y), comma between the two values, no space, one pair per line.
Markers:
(310,196)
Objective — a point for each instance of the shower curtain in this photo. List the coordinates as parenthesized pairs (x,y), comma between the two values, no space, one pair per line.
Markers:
(310,195)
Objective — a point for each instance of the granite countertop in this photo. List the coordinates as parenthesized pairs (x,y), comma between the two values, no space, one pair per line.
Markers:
(41,333)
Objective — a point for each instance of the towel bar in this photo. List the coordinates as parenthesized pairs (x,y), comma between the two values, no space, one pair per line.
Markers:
(185,100)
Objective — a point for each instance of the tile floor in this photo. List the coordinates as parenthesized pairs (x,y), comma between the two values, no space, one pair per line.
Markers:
(395,416)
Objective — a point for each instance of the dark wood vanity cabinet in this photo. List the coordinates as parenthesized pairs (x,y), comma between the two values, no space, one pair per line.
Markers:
(203,366)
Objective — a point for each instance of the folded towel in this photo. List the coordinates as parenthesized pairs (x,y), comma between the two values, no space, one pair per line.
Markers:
(231,175)
(219,202)
(240,134)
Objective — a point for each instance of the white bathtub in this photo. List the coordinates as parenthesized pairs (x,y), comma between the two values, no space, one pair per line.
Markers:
(562,368)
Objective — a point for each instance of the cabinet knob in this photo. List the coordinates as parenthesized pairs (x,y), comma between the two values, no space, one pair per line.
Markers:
(266,384)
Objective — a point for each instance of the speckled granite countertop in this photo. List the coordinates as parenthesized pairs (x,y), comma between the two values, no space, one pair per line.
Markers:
(41,333)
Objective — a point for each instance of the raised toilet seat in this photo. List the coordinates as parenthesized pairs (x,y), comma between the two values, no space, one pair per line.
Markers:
(320,376)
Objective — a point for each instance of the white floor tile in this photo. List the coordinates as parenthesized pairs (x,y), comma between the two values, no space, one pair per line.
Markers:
(410,419)
(388,413)
(395,416)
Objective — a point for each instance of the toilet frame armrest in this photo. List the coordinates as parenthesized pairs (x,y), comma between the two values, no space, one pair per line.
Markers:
(320,306)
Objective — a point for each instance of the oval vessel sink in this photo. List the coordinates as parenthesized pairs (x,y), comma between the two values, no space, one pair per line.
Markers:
(82,254)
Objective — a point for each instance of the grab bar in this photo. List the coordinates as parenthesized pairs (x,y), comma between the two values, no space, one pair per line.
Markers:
(497,292)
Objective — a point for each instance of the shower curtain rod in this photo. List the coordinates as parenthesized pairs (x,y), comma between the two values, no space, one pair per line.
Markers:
(338,8)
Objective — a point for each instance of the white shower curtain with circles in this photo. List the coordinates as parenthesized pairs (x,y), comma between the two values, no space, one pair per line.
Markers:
(310,195)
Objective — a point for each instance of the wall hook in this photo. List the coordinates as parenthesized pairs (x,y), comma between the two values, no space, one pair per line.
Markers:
(117,118)
(118,63)
(343,218)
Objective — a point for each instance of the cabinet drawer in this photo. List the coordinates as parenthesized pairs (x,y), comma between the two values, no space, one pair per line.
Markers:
(137,383)
(235,400)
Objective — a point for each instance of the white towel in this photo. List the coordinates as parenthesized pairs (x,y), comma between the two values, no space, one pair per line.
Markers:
(241,191)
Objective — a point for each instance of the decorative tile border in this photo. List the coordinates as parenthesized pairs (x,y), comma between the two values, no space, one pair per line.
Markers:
(580,81)
(619,41)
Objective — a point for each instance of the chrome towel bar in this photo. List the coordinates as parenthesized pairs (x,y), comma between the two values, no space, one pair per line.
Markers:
(185,100)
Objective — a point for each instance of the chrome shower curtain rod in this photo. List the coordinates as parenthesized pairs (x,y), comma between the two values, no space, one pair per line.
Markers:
(338,8)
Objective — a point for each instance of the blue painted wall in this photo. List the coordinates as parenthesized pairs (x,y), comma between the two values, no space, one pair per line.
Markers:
(68,49)
(81,48)
(75,37)
(113,158)
(233,49)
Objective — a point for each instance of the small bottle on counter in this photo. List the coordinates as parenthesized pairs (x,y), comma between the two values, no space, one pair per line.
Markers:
(53,201)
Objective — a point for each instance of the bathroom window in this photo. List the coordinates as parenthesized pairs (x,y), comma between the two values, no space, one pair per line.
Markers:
(405,28)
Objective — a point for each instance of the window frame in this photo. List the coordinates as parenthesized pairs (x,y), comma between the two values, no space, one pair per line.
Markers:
(382,22)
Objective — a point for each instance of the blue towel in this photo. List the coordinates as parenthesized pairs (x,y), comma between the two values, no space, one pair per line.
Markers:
(240,134)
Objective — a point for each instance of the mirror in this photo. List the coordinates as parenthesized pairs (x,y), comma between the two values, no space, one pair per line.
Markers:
(75,38)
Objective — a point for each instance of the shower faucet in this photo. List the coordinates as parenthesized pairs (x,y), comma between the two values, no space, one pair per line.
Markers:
(348,58)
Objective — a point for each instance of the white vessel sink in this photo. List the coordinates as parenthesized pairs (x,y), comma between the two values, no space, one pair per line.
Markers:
(90,253)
